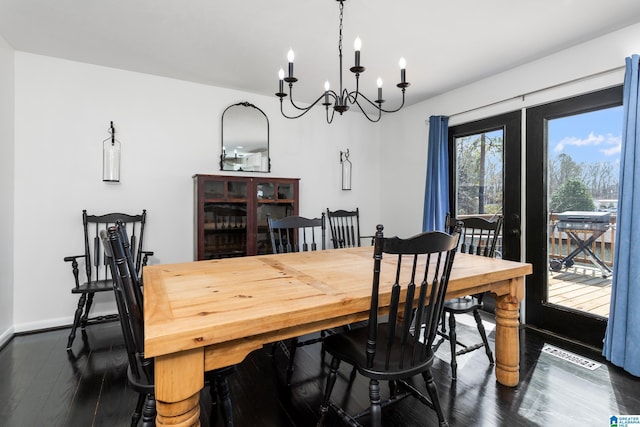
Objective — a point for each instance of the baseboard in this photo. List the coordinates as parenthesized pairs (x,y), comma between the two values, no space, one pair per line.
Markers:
(43,325)
(6,336)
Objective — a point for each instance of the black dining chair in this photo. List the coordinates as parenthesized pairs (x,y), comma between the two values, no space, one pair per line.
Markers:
(345,228)
(390,348)
(129,301)
(296,234)
(97,277)
(479,236)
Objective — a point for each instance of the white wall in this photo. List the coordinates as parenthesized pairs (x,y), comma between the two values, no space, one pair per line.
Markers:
(6,189)
(169,131)
(404,137)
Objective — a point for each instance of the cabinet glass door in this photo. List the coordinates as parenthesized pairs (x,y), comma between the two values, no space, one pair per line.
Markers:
(225,219)
(225,230)
(277,200)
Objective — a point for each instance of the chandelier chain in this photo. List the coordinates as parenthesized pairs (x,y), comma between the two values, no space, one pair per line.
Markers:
(340,28)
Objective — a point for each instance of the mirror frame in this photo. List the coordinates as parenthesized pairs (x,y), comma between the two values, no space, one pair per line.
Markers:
(222,151)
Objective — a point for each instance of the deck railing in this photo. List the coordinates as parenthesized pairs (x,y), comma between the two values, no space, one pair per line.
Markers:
(560,244)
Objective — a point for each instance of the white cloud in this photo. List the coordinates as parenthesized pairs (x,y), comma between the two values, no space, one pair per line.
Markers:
(612,143)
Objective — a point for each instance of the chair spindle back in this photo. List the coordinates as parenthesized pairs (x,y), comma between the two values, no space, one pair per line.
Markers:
(95,263)
(422,267)
(345,228)
(128,299)
(296,234)
(479,235)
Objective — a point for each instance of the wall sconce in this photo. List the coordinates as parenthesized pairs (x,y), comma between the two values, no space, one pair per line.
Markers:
(111,158)
(346,170)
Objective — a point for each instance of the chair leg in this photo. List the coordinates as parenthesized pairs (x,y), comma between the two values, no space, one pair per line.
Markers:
(76,320)
(331,381)
(85,317)
(352,376)
(483,335)
(376,404)
(393,389)
(433,394)
(137,412)
(213,413)
(292,353)
(149,411)
(322,352)
(222,386)
(452,342)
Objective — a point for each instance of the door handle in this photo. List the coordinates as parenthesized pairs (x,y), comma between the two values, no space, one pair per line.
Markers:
(514,231)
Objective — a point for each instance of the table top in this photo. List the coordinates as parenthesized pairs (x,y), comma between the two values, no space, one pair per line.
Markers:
(197,304)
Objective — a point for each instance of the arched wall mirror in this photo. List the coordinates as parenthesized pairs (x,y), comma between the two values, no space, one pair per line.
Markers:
(245,139)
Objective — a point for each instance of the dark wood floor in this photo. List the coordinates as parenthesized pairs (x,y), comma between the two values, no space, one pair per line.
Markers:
(41,385)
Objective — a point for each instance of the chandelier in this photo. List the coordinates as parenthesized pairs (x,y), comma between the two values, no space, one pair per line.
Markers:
(340,100)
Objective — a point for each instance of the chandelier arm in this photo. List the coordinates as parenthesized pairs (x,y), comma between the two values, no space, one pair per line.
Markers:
(397,109)
(332,94)
(353,100)
(289,117)
(304,110)
(333,112)
(294,104)
(357,91)
(356,102)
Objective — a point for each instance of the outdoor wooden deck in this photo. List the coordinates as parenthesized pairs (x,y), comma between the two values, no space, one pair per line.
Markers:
(581,288)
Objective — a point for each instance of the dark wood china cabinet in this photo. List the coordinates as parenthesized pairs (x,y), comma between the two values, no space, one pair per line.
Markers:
(231,213)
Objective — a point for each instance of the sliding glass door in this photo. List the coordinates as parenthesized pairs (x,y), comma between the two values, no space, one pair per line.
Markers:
(573,154)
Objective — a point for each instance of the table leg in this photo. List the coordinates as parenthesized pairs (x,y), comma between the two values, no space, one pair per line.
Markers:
(179,377)
(507,334)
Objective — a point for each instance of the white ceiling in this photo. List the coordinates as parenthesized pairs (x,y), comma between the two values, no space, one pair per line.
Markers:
(242,44)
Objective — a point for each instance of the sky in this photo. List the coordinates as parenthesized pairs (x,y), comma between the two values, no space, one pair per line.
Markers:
(587,137)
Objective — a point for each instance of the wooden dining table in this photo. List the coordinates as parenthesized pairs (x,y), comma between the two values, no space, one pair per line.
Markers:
(204,315)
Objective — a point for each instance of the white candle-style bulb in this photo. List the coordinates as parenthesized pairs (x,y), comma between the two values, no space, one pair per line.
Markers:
(290,55)
(379,82)
(402,63)
(281,74)
(357,44)
(326,86)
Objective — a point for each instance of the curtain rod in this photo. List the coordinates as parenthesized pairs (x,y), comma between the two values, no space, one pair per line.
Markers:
(578,79)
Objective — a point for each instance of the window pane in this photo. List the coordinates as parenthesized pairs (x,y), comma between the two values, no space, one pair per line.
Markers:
(479,173)
(582,191)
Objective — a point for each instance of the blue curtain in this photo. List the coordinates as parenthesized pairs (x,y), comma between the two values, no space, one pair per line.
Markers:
(622,339)
(436,196)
